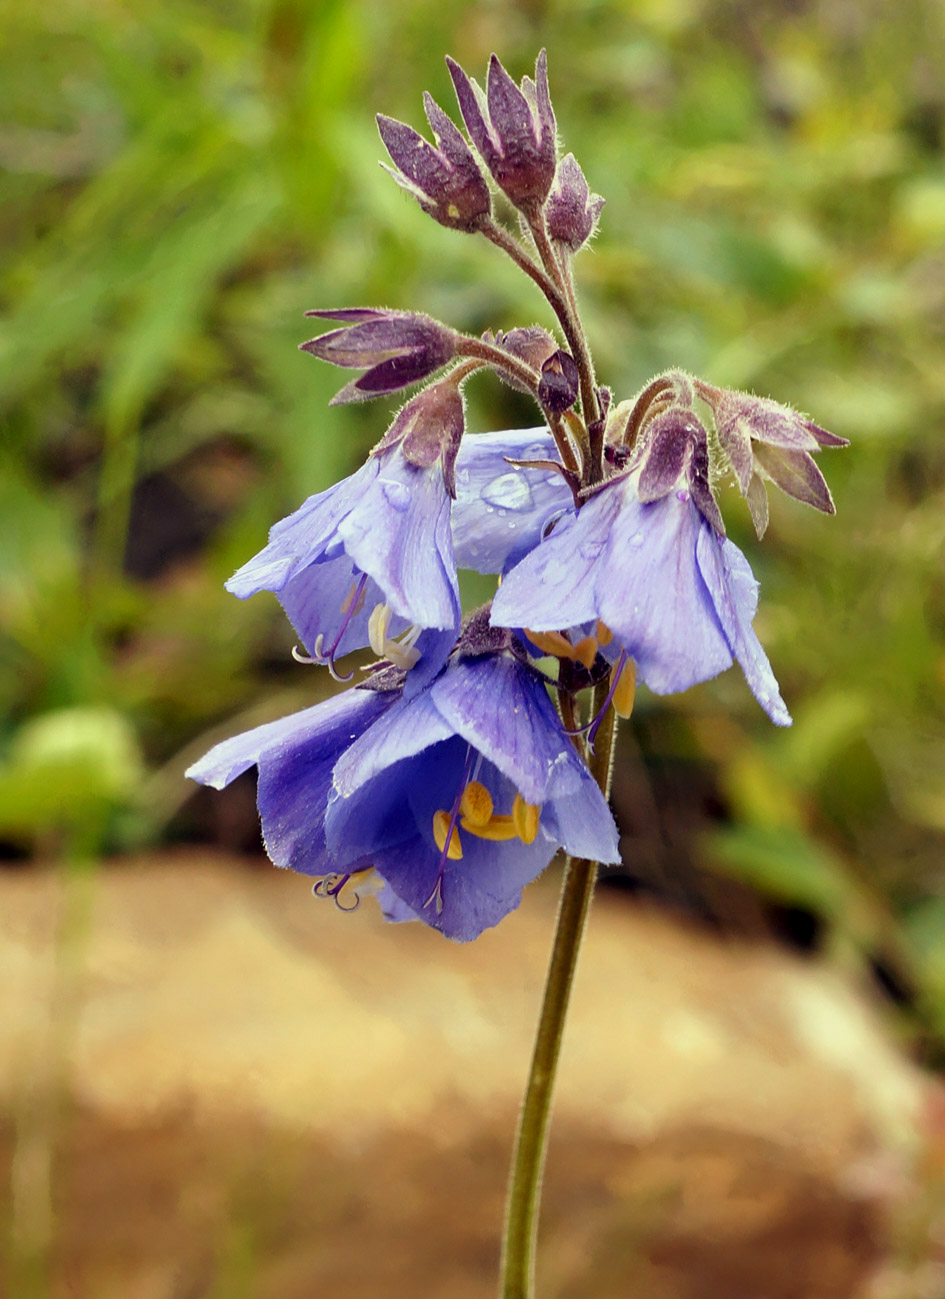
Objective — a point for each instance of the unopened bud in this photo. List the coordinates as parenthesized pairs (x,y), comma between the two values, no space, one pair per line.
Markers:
(513,129)
(445,180)
(429,428)
(558,386)
(572,211)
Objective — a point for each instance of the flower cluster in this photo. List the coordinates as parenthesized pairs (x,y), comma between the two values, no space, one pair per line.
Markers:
(451,774)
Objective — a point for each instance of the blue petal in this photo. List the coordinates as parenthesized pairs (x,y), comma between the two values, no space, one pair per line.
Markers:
(552,587)
(399,534)
(734,592)
(434,647)
(303,537)
(393,909)
(502,709)
(407,729)
(651,595)
(500,510)
(229,759)
(583,824)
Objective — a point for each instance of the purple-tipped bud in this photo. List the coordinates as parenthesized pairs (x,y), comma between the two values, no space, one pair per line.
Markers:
(513,129)
(763,440)
(558,386)
(396,348)
(446,180)
(429,428)
(571,211)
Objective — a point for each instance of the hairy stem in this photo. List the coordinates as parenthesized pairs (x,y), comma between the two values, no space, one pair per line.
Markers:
(528,1162)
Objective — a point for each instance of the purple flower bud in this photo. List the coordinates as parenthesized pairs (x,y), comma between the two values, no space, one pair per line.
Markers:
(558,386)
(446,180)
(512,128)
(397,348)
(571,211)
(429,428)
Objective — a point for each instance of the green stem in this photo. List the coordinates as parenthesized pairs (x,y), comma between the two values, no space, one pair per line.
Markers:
(528,1162)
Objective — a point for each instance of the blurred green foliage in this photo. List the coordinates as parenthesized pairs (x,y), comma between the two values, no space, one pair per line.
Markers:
(183,178)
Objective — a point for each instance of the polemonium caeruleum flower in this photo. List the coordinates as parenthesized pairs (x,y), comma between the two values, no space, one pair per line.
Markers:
(461,795)
(372,557)
(456,797)
(678,597)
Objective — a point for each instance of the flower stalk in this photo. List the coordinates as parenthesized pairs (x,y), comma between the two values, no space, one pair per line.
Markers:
(531,1142)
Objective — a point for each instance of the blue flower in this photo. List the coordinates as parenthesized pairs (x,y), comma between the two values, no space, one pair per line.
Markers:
(678,597)
(461,795)
(372,557)
(457,797)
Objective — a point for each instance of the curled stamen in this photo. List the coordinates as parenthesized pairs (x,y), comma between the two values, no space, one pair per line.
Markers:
(352,605)
(332,886)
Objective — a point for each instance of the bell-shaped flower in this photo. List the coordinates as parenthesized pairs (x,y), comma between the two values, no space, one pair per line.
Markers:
(371,558)
(395,348)
(512,128)
(676,595)
(445,180)
(461,795)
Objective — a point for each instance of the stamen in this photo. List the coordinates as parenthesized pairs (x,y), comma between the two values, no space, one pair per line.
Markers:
(399,652)
(556,643)
(475,805)
(625,689)
(603,633)
(444,827)
(525,817)
(498,829)
(585,651)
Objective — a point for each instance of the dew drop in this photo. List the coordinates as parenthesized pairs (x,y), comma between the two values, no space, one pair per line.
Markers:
(510,491)
(636,539)
(590,549)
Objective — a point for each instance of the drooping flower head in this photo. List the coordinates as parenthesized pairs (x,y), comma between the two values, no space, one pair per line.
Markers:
(371,559)
(456,797)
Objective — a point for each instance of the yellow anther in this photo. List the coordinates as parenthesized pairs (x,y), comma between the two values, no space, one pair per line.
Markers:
(350,598)
(475,805)
(498,829)
(625,689)
(378,624)
(525,818)
(585,651)
(603,633)
(441,825)
(402,653)
(552,642)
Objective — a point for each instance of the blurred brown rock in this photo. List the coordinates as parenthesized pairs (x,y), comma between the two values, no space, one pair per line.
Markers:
(223,1072)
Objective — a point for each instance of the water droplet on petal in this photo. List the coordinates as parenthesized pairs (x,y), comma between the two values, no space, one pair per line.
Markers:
(682,496)
(510,491)
(636,539)
(590,549)
(396,493)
